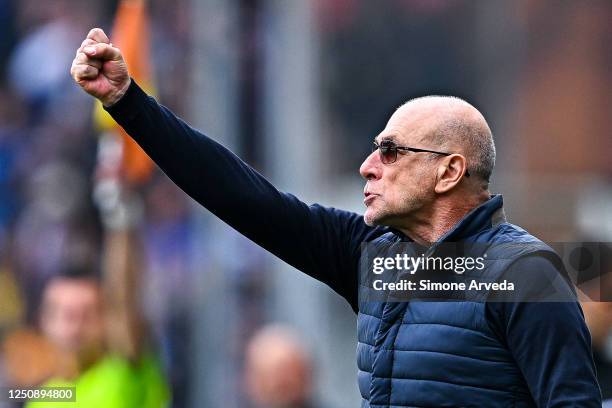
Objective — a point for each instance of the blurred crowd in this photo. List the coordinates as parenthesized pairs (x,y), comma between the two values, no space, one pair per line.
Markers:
(83,302)
(78,296)
(89,301)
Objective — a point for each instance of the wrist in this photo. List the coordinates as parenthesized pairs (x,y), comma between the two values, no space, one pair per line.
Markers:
(115,96)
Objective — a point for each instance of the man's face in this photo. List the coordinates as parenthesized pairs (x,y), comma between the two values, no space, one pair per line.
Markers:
(395,192)
(277,374)
(71,314)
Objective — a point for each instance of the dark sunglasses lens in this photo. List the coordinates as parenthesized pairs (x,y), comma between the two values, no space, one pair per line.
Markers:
(387,153)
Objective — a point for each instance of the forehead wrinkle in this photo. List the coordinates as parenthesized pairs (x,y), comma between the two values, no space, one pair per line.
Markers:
(412,127)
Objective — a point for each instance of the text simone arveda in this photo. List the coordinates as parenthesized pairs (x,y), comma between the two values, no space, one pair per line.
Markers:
(410,264)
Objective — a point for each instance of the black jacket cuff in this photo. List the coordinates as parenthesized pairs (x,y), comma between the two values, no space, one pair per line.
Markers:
(130,104)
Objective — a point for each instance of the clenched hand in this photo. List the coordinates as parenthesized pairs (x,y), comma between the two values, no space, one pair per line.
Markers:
(99,68)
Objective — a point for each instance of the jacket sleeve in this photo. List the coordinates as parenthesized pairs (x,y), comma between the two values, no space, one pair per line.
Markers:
(549,340)
(321,242)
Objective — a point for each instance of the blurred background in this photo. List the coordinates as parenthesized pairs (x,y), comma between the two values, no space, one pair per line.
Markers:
(112,279)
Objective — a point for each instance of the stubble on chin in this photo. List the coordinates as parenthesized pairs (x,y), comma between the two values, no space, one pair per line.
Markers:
(368,218)
(372,218)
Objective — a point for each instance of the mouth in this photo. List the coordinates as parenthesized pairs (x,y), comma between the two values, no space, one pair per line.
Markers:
(369,197)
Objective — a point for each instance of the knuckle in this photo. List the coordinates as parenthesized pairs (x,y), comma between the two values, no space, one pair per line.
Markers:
(84,70)
(86,42)
(117,53)
(82,58)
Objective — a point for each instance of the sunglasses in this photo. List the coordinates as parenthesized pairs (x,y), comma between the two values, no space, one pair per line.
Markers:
(387,150)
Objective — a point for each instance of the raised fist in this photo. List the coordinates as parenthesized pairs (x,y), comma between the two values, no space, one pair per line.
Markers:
(99,68)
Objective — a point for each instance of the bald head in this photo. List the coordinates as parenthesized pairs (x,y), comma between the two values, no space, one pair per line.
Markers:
(451,124)
(278,368)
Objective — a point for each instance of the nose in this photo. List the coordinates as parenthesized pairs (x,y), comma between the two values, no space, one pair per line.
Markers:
(371,167)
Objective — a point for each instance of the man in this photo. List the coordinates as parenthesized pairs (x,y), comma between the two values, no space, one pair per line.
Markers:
(91,331)
(98,357)
(426,183)
(278,369)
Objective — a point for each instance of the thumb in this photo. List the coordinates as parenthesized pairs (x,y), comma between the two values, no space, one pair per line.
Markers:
(103,51)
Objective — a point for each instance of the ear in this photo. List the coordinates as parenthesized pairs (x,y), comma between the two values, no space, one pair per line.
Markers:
(450,172)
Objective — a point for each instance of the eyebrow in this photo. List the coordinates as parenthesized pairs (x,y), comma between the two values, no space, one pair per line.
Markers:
(391,138)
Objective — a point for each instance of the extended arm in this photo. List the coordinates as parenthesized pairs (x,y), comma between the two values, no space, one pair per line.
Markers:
(322,242)
(122,268)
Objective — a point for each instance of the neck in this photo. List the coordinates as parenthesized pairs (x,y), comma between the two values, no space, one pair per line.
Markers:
(429,225)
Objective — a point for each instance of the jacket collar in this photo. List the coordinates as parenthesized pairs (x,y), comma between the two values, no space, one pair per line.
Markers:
(486,215)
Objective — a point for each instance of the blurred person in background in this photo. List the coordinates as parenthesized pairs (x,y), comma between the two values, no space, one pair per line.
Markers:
(92,334)
(47,219)
(278,369)
(421,200)
(56,223)
(46,154)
